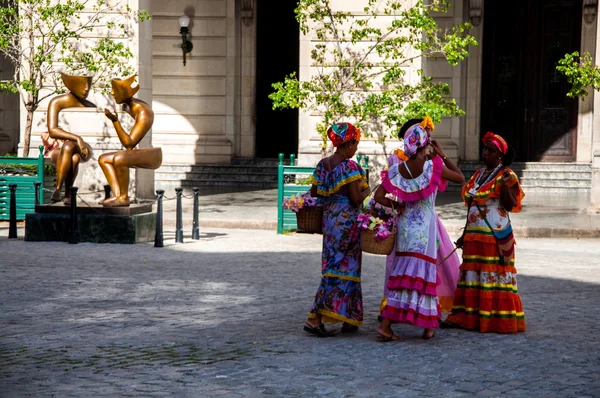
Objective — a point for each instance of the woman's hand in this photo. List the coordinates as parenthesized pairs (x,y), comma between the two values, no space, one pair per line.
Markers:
(508,195)
(460,242)
(395,205)
(437,149)
(506,177)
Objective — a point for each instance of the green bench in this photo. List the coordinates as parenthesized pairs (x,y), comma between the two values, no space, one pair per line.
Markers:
(24,173)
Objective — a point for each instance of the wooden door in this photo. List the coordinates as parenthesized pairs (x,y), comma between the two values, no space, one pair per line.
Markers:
(523,96)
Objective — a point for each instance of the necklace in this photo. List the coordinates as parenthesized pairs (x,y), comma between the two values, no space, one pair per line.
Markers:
(473,191)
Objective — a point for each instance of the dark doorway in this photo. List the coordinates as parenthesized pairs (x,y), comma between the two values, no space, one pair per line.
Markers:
(277,55)
(523,96)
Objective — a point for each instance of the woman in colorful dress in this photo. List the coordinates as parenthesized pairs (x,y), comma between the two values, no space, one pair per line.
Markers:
(342,186)
(448,261)
(487,298)
(412,280)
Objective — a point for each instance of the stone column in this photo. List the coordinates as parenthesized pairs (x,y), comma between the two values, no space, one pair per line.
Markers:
(242,75)
(141,46)
(595,133)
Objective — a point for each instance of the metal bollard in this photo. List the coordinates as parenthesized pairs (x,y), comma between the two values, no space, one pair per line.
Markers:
(366,159)
(12,227)
(159,236)
(74,224)
(195,226)
(37,186)
(106,192)
(292,160)
(179,221)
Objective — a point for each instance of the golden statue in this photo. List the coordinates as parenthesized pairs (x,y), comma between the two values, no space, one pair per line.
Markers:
(74,150)
(116,165)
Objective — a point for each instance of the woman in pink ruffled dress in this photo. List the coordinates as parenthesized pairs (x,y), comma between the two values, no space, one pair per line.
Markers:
(412,281)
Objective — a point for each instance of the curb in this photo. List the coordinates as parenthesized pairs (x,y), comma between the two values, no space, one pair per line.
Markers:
(524,232)
(230,224)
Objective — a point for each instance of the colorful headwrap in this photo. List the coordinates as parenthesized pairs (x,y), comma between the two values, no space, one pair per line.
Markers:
(340,133)
(415,138)
(496,140)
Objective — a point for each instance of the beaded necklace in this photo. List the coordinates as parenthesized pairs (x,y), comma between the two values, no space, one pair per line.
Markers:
(473,191)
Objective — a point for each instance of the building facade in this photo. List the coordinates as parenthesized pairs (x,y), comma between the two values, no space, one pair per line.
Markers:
(215,107)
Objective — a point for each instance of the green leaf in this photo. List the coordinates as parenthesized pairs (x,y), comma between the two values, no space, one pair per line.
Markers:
(359,64)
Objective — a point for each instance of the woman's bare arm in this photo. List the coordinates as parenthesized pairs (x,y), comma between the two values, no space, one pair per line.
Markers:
(356,194)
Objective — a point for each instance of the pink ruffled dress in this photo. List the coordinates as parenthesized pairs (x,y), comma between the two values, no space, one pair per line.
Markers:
(412,283)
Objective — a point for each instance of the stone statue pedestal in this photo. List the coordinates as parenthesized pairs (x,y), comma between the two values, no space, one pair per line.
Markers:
(97,224)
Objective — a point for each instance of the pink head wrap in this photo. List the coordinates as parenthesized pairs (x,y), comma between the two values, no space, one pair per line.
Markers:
(496,140)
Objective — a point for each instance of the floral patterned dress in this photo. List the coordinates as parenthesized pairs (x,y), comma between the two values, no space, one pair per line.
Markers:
(339,296)
(411,285)
(448,261)
(487,298)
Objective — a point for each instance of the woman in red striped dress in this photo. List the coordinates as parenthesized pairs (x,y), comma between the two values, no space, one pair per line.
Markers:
(487,297)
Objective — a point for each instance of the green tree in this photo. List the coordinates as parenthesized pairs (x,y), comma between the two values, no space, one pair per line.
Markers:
(580,72)
(45,37)
(360,64)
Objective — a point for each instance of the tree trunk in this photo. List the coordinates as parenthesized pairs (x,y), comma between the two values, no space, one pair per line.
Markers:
(27,137)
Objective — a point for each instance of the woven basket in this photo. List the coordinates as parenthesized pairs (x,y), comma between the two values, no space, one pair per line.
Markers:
(310,219)
(370,245)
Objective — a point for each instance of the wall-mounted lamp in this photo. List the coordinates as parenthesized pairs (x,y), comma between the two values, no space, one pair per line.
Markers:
(247,12)
(475,12)
(186,44)
(590,10)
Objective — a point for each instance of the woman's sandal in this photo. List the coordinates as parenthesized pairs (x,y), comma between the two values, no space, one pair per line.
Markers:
(318,330)
(382,338)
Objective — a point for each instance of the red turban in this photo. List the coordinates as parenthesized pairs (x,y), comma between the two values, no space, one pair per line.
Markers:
(496,140)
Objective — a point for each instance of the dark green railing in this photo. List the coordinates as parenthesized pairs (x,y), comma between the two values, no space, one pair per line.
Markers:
(24,172)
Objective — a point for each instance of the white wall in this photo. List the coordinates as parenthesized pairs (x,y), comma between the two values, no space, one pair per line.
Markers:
(194,104)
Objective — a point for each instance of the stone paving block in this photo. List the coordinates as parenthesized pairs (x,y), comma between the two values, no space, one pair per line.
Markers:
(223,317)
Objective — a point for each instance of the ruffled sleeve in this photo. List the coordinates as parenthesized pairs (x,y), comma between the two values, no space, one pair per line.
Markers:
(492,189)
(330,182)
(421,187)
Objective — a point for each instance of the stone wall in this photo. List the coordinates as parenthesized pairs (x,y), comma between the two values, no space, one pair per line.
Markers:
(195,105)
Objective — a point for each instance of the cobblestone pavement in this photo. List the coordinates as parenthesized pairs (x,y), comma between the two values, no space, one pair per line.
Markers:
(223,316)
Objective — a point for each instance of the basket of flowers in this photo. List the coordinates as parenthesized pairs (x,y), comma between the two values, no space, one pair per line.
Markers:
(377,229)
(309,215)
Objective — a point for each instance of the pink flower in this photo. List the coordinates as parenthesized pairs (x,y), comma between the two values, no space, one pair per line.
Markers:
(295,203)
(382,234)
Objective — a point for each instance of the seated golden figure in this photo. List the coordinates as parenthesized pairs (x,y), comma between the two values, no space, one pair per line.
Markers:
(116,165)
(74,150)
